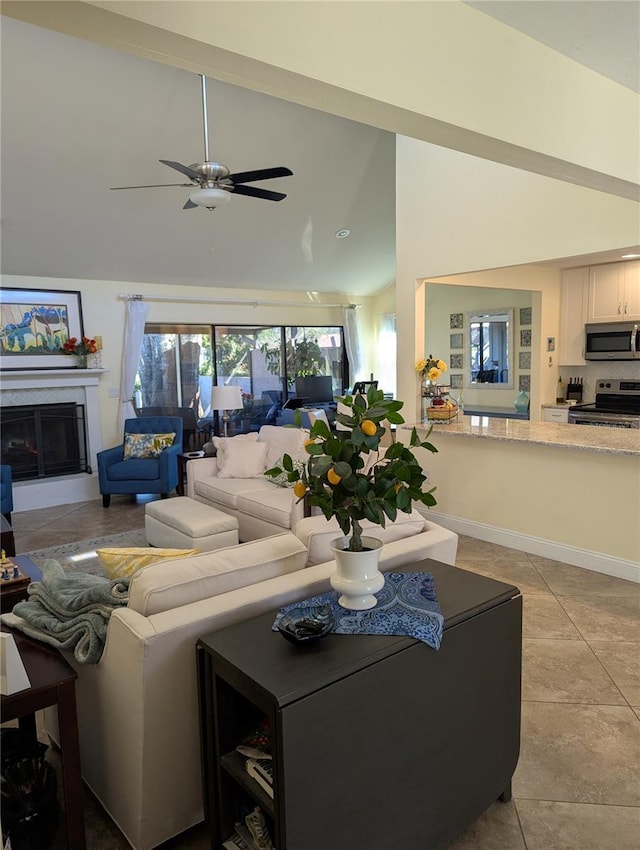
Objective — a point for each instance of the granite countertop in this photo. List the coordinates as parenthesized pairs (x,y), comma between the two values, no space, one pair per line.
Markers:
(581,437)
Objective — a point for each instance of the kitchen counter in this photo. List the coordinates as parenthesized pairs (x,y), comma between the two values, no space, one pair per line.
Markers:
(618,441)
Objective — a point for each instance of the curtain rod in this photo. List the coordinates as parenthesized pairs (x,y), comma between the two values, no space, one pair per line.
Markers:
(250,301)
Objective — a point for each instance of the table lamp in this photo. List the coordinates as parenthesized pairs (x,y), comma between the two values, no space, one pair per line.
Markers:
(226,398)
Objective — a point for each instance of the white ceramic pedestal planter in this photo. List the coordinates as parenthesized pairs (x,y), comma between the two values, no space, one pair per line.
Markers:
(357,576)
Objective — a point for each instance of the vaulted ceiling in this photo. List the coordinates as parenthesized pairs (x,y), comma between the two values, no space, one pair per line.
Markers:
(79,118)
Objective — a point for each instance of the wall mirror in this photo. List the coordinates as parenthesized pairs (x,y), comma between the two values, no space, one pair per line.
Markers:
(490,349)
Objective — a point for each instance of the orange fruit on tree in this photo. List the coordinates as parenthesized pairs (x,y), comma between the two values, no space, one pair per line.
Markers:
(368,427)
(333,477)
(299,489)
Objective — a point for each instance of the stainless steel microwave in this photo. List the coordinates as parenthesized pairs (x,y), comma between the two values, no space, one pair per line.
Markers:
(612,341)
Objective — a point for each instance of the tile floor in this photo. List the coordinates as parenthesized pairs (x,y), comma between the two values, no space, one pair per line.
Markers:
(577,784)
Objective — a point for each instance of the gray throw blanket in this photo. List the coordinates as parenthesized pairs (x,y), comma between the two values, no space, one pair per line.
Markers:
(69,610)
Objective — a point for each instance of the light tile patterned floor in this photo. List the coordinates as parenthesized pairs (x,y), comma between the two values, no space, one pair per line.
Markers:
(577,784)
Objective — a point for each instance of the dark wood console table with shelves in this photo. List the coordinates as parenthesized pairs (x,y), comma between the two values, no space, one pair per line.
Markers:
(52,682)
(379,743)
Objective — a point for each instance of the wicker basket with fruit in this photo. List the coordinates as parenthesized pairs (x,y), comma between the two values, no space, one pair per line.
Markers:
(442,410)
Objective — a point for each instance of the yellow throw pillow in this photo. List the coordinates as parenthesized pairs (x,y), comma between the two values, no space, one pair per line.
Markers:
(122,563)
(146,445)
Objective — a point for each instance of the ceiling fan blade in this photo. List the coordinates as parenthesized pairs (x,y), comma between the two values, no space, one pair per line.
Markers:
(254,192)
(154,186)
(260,174)
(183,169)
(189,205)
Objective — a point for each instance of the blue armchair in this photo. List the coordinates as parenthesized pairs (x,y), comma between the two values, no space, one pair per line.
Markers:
(141,474)
(6,492)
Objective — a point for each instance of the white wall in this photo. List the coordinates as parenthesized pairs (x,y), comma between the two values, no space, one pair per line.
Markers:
(578,507)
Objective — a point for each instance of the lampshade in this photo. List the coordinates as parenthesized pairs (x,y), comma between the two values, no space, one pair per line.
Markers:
(226,398)
(210,197)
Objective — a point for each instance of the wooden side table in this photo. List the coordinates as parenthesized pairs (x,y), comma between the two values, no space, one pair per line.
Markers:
(7,540)
(14,590)
(52,683)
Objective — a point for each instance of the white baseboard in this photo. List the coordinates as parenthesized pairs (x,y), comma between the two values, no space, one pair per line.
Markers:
(50,492)
(595,561)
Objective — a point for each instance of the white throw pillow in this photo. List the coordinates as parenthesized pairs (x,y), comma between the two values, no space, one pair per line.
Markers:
(242,459)
(282,480)
(281,440)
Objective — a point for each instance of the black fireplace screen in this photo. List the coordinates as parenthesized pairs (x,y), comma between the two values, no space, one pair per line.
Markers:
(44,441)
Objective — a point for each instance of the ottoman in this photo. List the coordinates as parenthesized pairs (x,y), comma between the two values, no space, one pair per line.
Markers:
(182,523)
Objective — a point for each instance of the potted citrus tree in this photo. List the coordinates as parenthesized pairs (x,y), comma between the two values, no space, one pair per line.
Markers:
(349,478)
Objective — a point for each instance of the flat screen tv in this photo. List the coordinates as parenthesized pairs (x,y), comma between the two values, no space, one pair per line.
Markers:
(315,389)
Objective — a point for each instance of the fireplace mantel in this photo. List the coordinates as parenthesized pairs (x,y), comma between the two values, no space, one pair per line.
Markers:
(61,377)
(28,386)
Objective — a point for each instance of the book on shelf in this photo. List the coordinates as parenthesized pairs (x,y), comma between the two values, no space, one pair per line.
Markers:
(261,770)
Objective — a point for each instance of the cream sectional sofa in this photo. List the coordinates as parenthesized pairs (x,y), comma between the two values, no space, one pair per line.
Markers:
(138,707)
(234,480)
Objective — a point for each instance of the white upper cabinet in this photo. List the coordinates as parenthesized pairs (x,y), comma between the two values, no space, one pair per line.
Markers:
(574,295)
(632,289)
(614,292)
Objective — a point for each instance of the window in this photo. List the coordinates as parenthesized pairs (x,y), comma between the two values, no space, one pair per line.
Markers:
(180,364)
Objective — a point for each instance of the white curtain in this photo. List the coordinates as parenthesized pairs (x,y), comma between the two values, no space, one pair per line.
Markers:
(133,334)
(352,343)
(386,353)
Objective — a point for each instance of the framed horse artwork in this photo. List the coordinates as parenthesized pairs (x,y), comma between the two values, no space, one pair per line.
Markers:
(34,326)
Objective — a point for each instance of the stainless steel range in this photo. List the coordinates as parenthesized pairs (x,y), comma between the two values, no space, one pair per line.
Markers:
(617,405)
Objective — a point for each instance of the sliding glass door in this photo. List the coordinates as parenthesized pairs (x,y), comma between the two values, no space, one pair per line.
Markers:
(175,376)
(179,365)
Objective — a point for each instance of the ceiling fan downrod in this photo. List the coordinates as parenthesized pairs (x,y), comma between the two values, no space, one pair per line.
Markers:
(204,117)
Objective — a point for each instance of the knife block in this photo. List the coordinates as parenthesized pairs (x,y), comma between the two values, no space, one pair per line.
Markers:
(574,392)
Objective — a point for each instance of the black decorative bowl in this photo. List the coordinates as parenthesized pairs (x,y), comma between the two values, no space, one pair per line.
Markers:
(304,625)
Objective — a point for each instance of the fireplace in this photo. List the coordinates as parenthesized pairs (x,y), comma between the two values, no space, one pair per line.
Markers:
(80,434)
(44,441)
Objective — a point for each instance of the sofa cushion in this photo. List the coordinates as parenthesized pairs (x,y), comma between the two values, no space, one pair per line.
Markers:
(173,583)
(316,533)
(241,458)
(275,509)
(120,563)
(225,491)
(281,440)
(134,469)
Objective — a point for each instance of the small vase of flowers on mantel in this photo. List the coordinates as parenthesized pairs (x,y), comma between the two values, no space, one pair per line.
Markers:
(81,349)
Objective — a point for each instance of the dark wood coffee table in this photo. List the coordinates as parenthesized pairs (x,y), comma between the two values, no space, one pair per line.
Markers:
(379,742)
(52,683)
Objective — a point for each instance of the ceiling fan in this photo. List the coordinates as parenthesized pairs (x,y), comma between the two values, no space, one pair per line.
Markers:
(213,183)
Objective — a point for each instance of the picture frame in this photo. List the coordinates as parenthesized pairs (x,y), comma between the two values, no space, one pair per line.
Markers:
(35,324)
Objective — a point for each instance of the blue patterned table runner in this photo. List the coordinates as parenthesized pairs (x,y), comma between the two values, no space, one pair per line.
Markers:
(407,605)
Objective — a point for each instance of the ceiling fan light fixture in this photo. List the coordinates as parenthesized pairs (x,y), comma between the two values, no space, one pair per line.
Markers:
(210,197)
